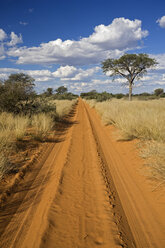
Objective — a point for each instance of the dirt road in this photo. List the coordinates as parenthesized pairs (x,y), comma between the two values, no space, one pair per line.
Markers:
(81,194)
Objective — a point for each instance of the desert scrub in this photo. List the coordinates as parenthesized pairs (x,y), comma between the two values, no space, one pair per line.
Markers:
(42,124)
(63,107)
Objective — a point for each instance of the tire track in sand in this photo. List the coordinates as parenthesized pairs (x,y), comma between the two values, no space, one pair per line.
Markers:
(81,215)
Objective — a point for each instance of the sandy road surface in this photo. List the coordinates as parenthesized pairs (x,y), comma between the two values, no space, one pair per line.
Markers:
(80,195)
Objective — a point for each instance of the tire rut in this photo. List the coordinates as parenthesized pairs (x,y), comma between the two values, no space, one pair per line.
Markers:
(120,219)
(81,215)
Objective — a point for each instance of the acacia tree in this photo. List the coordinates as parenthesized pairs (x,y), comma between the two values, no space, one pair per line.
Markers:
(129,66)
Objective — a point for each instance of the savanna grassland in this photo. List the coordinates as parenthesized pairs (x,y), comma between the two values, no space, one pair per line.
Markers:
(143,120)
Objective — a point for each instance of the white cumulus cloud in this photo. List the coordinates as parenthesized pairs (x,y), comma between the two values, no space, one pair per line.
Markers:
(15,39)
(74,74)
(7,41)
(65,72)
(161,22)
(112,40)
(3,35)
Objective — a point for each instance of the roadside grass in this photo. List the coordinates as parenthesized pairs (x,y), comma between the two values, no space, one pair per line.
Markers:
(42,124)
(14,128)
(154,152)
(63,107)
(144,120)
(21,124)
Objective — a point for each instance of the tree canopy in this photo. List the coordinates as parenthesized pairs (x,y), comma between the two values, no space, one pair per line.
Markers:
(158,91)
(16,93)
(49,92)
(129,66)
(61,90)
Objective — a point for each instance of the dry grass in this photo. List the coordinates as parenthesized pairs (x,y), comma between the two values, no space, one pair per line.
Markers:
(137,119)
(42,124)
(154,152)
(144,120)
(63,107)
(12,128)
(20,126)
(6,146)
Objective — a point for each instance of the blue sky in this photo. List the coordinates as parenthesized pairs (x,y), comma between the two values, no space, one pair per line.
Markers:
(63,42)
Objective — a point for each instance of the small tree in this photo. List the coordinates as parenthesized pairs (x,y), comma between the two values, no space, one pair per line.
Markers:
(158,91)
(61,90)
(129,66)
(17,93)
(49,92)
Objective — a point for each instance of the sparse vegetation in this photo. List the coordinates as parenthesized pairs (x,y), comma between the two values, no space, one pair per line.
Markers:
(144,120)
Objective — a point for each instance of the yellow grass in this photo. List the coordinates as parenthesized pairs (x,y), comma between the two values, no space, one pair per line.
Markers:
(155,153)
(12,128)
(43,124)
(144,120)
(137,119)
(63,107)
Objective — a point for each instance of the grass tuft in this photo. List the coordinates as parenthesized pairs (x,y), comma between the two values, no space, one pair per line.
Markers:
(43,124)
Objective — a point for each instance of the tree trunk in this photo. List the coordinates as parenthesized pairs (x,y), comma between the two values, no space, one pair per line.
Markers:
(130,91)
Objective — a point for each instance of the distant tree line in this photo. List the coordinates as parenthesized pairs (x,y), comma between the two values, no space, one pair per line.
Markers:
(103,96)
(61,93)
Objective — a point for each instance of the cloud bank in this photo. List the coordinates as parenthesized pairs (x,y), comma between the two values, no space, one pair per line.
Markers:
(112,40)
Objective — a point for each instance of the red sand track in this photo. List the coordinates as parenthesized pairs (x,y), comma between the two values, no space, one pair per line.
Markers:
(83,193)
